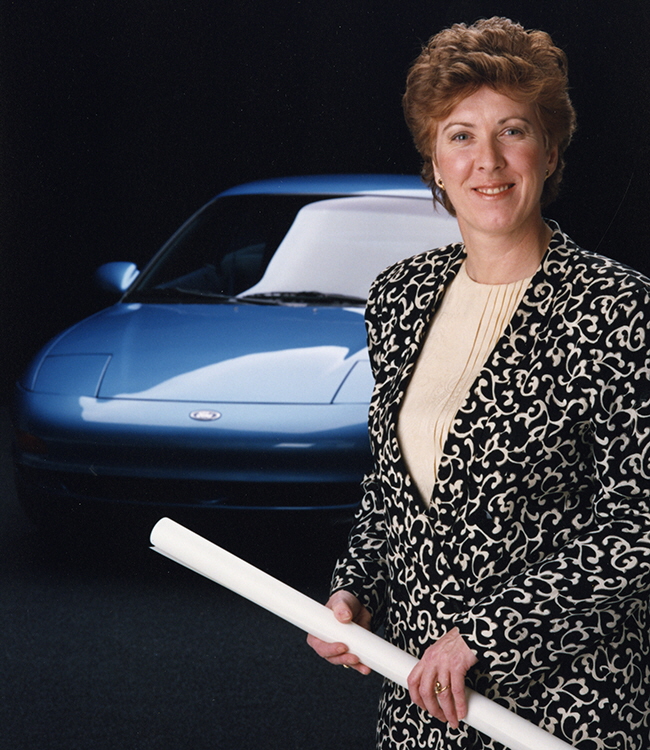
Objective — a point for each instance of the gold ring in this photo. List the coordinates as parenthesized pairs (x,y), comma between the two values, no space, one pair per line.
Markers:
(439,688)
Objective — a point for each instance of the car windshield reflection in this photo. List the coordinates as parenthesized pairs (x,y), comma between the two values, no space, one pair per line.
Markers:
(285,250)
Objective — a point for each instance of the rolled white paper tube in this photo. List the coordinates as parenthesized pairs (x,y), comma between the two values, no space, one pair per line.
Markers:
(202,556)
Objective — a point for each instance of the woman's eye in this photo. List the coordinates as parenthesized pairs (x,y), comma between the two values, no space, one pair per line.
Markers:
(460,137)
(513,131)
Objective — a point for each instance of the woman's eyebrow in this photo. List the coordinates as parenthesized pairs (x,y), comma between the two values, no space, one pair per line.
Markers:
(457,124)
(515,117)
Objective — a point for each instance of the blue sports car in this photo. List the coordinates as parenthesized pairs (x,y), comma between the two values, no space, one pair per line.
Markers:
(232,373)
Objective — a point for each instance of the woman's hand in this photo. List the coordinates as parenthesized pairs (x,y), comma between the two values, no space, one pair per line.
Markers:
(437,682)
(346,608)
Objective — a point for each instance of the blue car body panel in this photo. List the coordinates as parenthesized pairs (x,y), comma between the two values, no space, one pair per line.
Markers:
(286,382)
(205,398)
(336,184)
(239,353)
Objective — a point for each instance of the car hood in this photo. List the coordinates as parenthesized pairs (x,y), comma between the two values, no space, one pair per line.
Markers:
(211,353)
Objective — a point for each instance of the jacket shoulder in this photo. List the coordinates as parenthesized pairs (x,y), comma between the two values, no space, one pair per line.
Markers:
(595,279)
(427,269)
(401,301)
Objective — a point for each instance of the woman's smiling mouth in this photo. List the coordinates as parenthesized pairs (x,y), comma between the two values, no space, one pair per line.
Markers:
(493,190)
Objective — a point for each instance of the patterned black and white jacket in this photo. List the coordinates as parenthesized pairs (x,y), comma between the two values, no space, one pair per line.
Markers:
(537,541)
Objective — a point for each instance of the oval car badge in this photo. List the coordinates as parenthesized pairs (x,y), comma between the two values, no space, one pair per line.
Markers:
(205,415)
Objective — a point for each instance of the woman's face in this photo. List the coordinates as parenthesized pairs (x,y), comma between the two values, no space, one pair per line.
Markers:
(491,154)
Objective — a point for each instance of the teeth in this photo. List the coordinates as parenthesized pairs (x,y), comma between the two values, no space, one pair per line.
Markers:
(493,191)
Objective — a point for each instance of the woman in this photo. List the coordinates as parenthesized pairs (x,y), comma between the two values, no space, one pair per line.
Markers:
(504,535)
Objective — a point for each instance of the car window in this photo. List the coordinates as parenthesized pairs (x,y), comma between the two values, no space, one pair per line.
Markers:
(288,249)
(222,250)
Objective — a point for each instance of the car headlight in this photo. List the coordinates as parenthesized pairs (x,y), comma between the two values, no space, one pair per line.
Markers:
(71,374)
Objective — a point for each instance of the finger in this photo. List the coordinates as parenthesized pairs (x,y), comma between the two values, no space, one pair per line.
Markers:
(452,698)
(342,612)
(460,696)
(446,700)
(337,654)
(343,657)
(422,693)
(356,664)
(326,650)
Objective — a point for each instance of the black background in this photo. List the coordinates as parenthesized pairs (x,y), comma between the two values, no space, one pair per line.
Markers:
(121,117)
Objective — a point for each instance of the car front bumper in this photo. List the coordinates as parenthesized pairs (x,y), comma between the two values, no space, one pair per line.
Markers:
(270,456)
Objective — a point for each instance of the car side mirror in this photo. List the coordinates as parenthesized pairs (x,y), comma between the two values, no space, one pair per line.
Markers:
(116,277)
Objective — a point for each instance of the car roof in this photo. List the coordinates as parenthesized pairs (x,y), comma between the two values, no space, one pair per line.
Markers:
(336,184)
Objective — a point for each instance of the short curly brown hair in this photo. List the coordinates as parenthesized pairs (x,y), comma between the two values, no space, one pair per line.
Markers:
(523,64)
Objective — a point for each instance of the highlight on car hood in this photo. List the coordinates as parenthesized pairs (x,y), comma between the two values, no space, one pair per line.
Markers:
(232,353)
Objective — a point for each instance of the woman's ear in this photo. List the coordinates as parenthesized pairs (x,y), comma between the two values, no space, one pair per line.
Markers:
(552,159)
(436,173)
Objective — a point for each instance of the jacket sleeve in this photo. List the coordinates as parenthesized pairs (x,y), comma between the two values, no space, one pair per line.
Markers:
(583,593)
(363,570)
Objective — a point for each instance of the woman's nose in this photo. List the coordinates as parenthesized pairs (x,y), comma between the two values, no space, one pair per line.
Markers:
(490,156)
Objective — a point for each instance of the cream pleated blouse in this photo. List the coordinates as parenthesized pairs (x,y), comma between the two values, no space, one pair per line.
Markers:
(467,325)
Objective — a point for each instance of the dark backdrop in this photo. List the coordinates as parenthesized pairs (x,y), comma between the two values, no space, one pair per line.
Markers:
(121,117)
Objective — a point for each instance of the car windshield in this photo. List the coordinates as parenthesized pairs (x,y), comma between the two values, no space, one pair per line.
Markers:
(289,249)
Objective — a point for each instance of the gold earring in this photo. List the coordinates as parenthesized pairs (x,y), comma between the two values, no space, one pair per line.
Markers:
(546,176)
(440,183)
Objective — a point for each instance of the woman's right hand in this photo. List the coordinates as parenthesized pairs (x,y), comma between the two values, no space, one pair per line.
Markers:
(346,608)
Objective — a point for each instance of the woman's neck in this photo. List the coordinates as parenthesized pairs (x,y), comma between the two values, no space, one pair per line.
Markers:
(498,259)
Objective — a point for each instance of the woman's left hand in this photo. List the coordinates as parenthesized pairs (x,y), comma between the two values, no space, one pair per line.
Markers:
(437,682)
